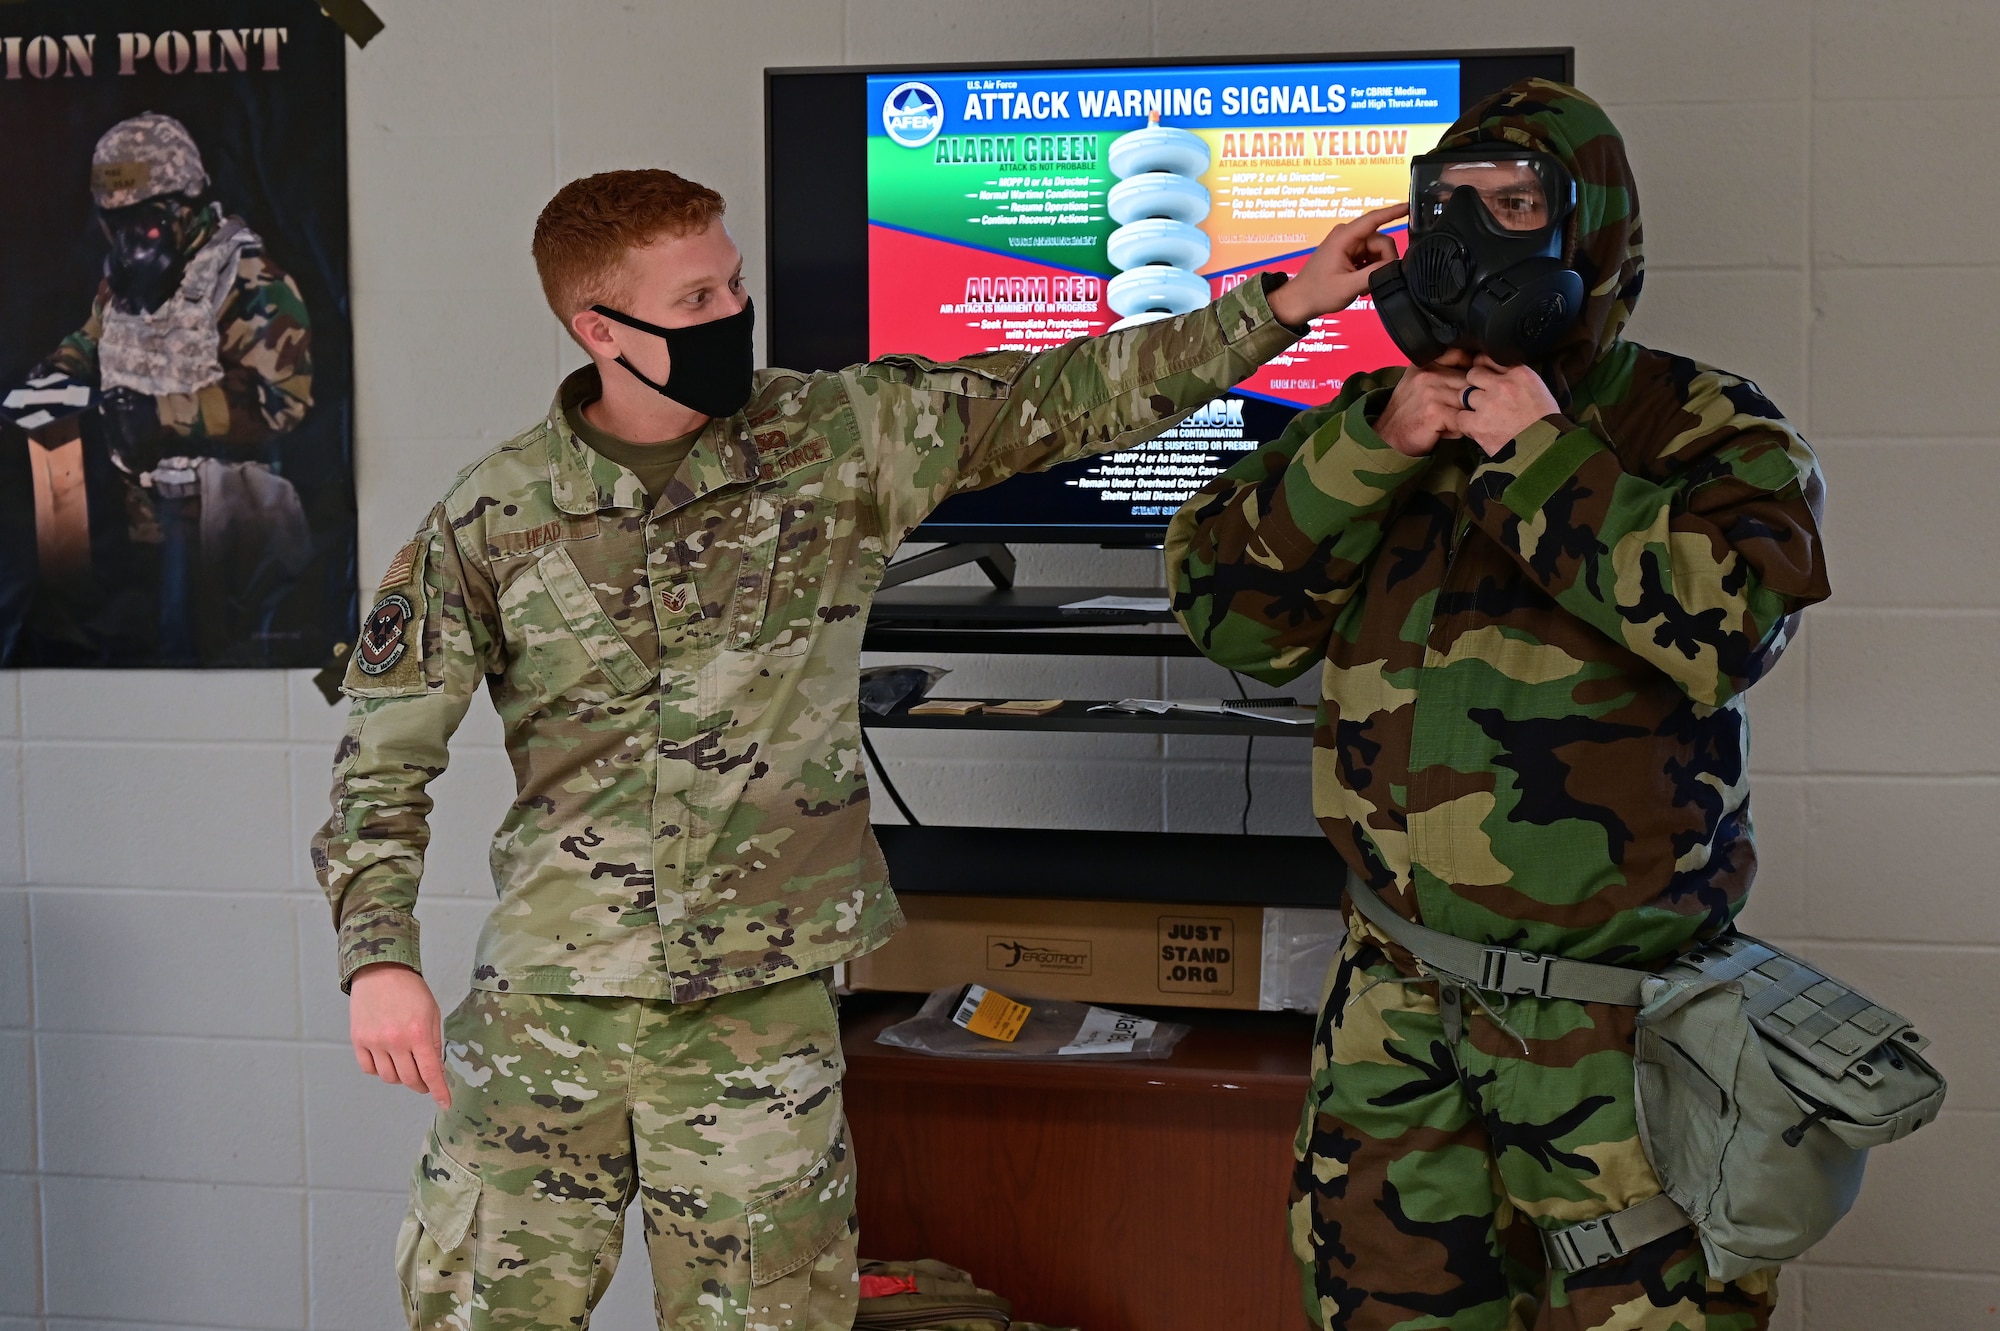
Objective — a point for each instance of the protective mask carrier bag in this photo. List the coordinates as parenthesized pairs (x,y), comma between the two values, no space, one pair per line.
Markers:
(1495,285)
(1762,1083)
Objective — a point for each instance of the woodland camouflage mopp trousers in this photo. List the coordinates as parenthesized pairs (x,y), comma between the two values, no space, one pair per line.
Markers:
(1427,1165)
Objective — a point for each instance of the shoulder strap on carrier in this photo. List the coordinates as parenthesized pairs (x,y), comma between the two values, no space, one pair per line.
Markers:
(1499,970)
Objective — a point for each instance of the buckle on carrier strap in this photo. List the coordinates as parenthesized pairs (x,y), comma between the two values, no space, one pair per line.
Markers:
(1607,1238)
(1503,970)
(1581,1247)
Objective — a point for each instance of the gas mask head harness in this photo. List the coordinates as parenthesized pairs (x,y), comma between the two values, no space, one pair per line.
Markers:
(1484,269)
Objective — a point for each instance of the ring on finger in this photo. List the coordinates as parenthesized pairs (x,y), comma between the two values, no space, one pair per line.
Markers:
(1465,398)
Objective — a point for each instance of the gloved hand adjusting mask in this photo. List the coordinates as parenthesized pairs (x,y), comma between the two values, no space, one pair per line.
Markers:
(712,363)
(1484,270)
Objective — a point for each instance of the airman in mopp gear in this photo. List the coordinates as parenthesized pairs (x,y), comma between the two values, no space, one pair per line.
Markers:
(200,348)
(1534,648)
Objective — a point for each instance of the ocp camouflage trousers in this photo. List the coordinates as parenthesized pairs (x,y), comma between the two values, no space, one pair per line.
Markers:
(1433,1149)
(721,1118)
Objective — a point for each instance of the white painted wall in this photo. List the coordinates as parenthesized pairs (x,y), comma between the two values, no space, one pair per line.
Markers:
(184,1140)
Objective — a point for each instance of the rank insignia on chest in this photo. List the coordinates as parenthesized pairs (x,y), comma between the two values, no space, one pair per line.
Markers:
(384,635)
(676,599)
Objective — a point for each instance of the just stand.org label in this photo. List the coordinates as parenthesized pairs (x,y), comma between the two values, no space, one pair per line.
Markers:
(1197,955)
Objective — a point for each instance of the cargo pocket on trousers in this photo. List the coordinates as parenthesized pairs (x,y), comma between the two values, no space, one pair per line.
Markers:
(791,1227)
(434,1254)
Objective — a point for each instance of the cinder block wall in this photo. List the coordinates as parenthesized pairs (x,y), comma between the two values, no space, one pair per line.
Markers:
(184,1139)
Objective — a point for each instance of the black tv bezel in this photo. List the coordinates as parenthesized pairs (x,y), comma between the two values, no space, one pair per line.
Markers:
(802,258)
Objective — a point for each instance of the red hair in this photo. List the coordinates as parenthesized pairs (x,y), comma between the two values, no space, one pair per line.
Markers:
(584,232)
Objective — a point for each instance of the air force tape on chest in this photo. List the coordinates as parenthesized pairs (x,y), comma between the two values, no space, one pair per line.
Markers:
(779,455)
(388,656)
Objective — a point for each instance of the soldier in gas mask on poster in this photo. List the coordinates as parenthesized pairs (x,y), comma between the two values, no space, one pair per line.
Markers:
(198,348)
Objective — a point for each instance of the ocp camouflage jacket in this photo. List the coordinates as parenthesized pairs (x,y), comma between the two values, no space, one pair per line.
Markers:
(1532,729)
(678,687)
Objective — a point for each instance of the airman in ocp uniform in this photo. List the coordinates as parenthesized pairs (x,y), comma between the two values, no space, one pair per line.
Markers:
(663,587)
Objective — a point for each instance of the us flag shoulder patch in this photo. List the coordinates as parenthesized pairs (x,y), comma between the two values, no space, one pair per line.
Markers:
(399,568)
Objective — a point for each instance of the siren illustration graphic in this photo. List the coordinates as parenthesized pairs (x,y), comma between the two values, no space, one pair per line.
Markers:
(1158,247)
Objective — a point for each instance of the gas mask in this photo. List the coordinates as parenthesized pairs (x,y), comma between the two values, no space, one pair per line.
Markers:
(148,251)
(712,363)
(1484,270)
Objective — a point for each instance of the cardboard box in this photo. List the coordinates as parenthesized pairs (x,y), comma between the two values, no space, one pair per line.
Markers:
(1089,951)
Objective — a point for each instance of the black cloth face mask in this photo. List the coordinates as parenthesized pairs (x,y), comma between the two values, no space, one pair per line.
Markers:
(712,362)
(1484,270)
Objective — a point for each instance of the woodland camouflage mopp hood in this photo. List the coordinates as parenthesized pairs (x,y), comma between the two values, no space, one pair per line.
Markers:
(1603,243)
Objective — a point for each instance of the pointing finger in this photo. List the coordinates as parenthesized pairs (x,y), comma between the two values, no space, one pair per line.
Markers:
(1376,219)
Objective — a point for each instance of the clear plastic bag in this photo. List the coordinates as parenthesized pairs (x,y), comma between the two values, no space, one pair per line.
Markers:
(1053,1029)
(884,688)
(1299,949)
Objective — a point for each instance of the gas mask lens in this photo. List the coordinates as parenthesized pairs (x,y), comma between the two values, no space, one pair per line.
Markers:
(1516,193)
(1485,268)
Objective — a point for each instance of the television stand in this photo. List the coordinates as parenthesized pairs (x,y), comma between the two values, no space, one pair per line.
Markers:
(995,560)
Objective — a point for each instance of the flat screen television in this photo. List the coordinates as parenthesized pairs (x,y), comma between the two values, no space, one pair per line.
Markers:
(951,209)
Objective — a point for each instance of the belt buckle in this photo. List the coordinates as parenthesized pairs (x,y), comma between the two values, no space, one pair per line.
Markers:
(1509,971)
(1580,1247)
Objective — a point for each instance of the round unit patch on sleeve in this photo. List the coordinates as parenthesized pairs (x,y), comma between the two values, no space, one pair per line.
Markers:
(384,634)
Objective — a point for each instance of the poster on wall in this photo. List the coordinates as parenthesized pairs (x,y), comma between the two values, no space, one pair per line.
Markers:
(176,403)
(1014,210)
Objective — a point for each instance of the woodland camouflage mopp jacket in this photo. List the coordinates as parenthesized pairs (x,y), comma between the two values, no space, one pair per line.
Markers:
(1532,730)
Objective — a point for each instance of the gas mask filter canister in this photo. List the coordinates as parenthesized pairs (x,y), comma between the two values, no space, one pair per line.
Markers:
(1484,269)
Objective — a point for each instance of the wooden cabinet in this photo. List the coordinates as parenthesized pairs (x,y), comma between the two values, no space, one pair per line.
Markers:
(1140,1196)
(1109,1196)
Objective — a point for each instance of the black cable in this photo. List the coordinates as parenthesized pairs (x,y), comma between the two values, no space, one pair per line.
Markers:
(882,774)
(1249,748)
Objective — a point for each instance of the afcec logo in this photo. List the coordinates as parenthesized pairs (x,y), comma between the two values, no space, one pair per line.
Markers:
(913,114)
